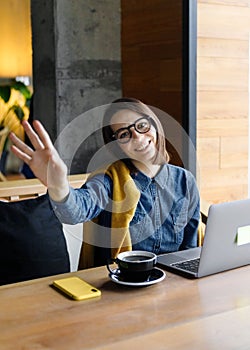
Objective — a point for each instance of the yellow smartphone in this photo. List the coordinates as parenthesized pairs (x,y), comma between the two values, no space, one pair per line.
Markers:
(76,288)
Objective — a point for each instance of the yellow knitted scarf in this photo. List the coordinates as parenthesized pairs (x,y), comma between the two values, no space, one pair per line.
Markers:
(125,199)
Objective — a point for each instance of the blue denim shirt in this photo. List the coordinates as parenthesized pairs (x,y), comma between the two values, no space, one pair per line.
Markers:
(167,215)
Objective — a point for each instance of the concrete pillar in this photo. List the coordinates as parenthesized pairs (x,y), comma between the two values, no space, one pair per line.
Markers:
(76,67)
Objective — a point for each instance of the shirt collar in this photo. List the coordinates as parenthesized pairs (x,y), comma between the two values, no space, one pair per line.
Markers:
(162,176)
(143,181)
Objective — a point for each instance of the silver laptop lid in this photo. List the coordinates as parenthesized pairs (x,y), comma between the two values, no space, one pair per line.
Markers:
(227,237)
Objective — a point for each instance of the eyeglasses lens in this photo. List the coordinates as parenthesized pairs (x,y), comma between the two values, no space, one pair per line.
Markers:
(142,126)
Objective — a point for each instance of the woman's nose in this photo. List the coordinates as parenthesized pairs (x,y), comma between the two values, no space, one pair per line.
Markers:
(135,134)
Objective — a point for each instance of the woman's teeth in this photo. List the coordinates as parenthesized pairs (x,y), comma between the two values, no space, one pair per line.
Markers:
(142,147)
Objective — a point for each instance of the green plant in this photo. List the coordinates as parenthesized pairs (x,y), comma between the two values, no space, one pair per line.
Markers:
(15,100)
(17,107)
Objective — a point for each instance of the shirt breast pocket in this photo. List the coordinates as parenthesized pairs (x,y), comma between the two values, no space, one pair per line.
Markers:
(141,227)
(179,222)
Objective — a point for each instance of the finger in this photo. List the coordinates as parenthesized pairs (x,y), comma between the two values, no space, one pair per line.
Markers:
(20,144)
(21,155)
(43,134)
(32,135)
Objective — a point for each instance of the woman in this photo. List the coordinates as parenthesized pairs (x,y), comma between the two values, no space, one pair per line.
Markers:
(138,202)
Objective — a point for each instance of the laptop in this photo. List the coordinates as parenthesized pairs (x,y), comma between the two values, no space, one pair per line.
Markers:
(226,243)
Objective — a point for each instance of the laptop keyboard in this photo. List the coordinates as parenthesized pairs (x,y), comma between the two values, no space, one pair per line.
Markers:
(188,265)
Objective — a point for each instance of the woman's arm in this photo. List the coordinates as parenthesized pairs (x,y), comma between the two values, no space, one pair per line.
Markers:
(85,203)
(191,229)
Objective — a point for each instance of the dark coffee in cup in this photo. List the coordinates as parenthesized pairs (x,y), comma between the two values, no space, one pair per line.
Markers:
(135,258)
(133,266)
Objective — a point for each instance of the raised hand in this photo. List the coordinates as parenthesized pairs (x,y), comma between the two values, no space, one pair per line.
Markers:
(43,160)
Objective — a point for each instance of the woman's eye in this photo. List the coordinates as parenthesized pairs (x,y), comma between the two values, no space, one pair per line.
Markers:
(123,134)
(142,125)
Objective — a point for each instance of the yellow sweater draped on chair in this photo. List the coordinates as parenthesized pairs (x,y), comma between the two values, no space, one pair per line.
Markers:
(125,199)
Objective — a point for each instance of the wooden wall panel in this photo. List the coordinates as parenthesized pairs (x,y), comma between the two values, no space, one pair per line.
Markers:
(220,177)
(222,74)
(219,47)
(222,98)
(209,147)
(222,127)
(223,20)
(152,53)
(213,195)
(222,104)
(154,62)
(234,152)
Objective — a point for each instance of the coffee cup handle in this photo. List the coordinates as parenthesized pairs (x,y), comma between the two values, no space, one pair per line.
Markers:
(111,261)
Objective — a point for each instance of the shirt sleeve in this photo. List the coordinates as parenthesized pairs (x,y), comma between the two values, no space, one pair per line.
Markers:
(85,203)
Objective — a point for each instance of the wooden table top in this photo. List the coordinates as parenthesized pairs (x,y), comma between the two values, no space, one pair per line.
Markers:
(178,313)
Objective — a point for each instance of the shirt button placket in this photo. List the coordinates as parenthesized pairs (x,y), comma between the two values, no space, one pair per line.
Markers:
(157,217)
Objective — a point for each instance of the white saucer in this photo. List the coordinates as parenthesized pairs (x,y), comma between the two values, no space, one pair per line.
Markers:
(156,276)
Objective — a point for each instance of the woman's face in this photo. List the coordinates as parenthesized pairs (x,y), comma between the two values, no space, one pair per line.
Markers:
(140,146)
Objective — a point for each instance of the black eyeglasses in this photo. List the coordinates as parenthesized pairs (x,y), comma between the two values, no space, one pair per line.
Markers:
(141,125)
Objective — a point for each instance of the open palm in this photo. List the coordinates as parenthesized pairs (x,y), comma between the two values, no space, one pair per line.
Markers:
(44,159)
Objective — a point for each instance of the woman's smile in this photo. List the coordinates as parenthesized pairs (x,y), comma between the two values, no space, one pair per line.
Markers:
(142,147)
(139,144)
